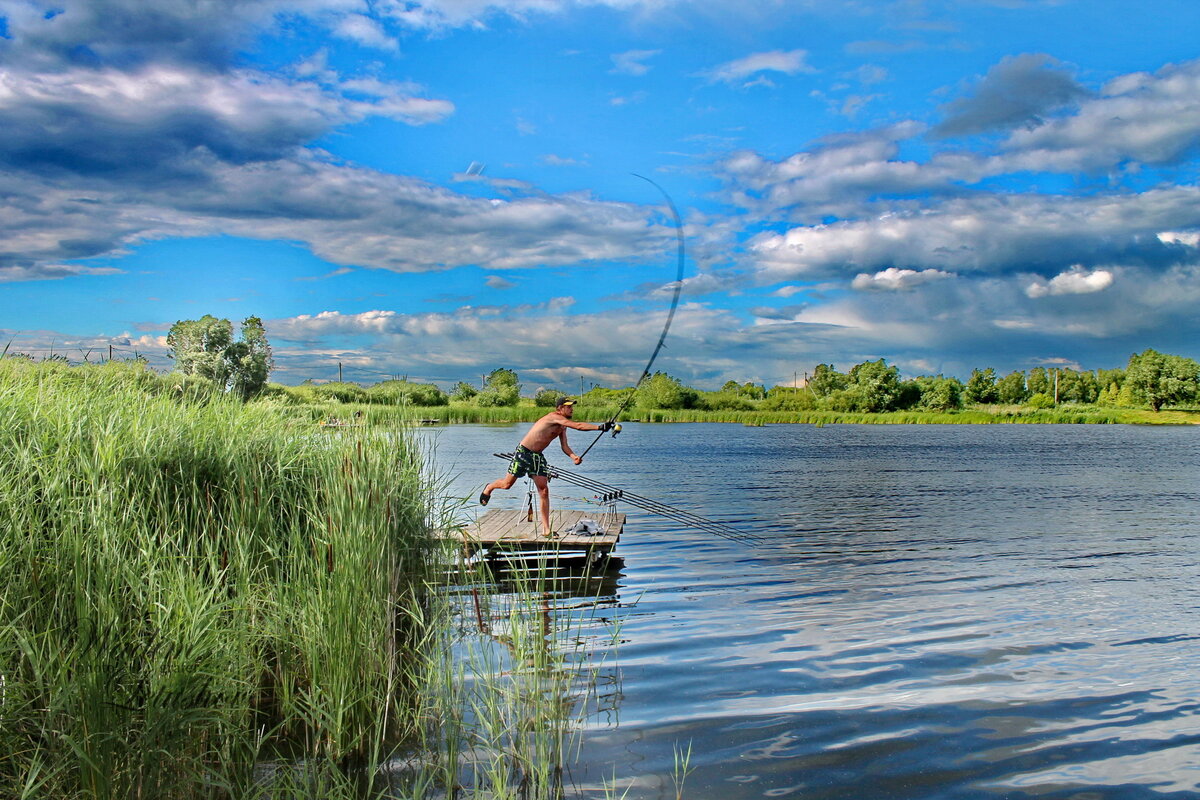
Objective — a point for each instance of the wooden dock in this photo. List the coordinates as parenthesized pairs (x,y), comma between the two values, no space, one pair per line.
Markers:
(504,533)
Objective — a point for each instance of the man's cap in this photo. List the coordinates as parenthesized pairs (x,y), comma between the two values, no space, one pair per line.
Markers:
(564,401)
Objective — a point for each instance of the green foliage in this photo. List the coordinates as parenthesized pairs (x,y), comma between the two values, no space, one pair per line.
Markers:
(826,380)
(1011,388)
(1159,379)
(788,398)
(500,389)
(660,390)
(342,392)
(981,387)
(1040,382)
(205,347)
(724,401)
(199,347)
(192,588)
(601,396)
(463,392)
(940,393)
(1040,400)
(546,398)
(406,393)
(873,387)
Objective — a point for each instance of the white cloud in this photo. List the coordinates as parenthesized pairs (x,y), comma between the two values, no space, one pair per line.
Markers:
(986,233)
(366,31)
(497,282)
(632,62)
(1076,280)
(788,62)
(894,280)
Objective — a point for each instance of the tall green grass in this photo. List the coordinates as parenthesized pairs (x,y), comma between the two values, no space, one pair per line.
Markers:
(195,588)
(210,599)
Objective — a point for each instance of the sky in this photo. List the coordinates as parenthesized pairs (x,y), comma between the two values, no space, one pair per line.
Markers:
(434,189)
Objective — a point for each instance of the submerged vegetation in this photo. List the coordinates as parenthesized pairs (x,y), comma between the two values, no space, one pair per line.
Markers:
(203,599)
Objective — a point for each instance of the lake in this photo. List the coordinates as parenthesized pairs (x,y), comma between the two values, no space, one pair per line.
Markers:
(975,611)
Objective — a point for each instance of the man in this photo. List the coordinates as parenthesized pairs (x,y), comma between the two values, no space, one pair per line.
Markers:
(529,459)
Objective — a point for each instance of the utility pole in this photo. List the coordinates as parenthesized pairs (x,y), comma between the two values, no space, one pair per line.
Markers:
(110,352)
(581,386)
(339,372)
(1056,386)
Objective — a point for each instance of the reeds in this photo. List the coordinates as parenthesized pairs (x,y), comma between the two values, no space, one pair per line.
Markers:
(194,589)
(205,598)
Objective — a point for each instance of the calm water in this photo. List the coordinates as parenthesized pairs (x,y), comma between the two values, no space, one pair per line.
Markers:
(935,611)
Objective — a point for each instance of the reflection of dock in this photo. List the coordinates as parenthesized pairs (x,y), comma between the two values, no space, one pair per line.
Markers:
(509,534)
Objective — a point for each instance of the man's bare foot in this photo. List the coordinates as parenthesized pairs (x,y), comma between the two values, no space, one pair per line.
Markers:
(484,497)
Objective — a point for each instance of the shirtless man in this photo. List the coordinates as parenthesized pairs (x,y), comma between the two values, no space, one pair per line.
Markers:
(529,459)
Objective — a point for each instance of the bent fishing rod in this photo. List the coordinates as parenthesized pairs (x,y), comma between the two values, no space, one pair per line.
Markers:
(612,422)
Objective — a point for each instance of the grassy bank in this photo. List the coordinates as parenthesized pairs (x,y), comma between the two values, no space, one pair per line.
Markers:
(194,591)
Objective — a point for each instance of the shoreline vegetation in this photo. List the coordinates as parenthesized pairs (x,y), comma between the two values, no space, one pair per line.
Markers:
(204,598)
(463,413)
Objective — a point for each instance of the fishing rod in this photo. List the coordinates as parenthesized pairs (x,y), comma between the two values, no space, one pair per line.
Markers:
(609,493)
(670,315)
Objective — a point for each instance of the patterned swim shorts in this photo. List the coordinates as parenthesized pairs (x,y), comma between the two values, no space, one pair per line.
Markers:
(527,462)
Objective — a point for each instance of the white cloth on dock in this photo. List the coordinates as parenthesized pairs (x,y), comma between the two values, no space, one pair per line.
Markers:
(585,527)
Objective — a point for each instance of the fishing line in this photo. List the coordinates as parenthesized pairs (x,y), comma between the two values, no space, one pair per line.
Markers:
(670,314)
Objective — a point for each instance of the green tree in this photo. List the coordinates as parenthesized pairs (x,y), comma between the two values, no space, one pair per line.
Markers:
(875,386)
(940,393)
(546,398)
(250,360)
(205,347)
(981,387)
(825,380)
(500,389)
(1158,379)
(463,391)
(1011,388)
(199,347)
(407,393)
(1039,382)
(660,390)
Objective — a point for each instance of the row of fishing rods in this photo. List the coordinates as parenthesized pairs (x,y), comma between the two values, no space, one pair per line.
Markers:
(609,494)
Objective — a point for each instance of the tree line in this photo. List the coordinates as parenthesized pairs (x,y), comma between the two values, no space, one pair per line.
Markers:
(206,349)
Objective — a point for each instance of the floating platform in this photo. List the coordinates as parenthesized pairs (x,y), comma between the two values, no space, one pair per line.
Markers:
(507,534)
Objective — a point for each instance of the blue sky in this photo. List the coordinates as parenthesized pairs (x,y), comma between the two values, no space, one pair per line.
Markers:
(438,189)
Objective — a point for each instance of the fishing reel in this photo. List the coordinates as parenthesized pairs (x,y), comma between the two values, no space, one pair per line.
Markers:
(616,428)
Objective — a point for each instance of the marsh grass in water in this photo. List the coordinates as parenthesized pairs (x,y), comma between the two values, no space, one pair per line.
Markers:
(205,598)
(194,588)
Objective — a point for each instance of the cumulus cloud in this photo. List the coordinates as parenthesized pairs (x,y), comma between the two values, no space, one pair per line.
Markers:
(1076,280)
(788,62)
(987,234)
(1148,118)
(498,282)
(141,139)
(1015,92)
(895,280)
(129,123)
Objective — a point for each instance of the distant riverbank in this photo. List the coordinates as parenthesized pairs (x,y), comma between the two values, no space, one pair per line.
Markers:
(456,413)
